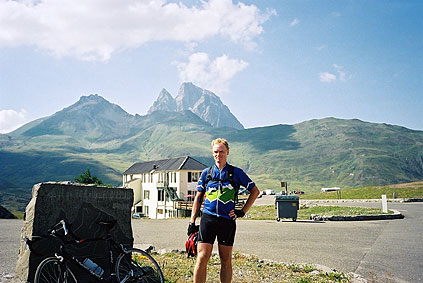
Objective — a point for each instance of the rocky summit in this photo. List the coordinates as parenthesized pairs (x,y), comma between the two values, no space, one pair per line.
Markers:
(164,102)
(201,102)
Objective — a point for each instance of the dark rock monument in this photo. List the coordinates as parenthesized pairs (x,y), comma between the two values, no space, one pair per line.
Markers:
(82,206)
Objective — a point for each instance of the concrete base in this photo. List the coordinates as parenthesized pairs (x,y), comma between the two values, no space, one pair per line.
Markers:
(82,206)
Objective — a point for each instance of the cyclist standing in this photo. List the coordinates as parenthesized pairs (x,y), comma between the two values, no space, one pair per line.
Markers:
(218,187)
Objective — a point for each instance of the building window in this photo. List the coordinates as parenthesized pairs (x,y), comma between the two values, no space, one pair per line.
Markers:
(160,211)
(171,177)
(146,210)
(150,178)
(146,194)
(169,213)
(161,177)
(161,194)
(139,209)
(193,176)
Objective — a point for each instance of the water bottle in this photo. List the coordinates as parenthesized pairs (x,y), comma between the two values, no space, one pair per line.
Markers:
(93,267)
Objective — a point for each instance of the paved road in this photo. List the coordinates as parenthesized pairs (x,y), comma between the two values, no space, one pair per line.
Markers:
(382,250)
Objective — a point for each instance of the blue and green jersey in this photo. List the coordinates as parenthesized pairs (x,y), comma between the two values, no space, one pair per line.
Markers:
(220,194)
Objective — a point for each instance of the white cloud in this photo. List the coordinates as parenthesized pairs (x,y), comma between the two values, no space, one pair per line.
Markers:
(341,72)
(11,120)
(327,77)
(94,29)
(342,76)
(294,22)
(213,75)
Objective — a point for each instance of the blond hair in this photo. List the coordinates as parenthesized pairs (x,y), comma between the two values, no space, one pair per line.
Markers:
(220,140)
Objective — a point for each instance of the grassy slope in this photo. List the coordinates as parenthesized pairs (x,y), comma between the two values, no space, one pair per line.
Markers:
(309,155)
(406,190)
(329,152)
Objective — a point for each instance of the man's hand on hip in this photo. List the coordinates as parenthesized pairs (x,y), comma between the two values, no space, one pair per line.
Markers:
(236,213)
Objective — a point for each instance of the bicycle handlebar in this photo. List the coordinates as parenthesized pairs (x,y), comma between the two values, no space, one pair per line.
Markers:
(64,226)
(52,231)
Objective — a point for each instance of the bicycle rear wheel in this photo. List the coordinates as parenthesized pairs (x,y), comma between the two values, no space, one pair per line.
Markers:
(53,270)
(138,266)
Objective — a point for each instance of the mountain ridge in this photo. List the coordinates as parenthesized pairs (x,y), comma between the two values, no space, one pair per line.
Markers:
(309,155)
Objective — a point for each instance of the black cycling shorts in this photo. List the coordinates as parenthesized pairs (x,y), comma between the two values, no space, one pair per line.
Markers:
(220,227)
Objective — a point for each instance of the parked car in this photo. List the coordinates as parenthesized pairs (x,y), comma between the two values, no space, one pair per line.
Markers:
(137,215)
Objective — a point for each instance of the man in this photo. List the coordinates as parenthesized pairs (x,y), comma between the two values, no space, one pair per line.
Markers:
(219,189)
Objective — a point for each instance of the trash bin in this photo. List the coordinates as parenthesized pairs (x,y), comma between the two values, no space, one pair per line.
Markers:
(287,207)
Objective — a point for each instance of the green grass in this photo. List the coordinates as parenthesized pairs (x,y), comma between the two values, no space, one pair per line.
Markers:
(177,267)
(19,215)
(268,212)
(409,190)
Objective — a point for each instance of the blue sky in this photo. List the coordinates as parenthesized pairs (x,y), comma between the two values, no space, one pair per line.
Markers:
(271,62)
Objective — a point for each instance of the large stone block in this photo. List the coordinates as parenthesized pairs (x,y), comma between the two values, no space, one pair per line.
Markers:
(82,206)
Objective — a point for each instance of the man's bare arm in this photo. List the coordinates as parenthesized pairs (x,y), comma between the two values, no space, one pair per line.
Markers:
(254,193)
(196,206)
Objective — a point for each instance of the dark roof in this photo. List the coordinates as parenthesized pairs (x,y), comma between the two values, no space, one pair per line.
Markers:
(179,163)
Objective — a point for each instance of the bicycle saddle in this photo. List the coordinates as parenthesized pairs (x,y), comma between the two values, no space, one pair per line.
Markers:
(109,224)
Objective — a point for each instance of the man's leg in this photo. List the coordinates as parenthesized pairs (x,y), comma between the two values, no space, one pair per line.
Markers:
(225,253)
(204,252)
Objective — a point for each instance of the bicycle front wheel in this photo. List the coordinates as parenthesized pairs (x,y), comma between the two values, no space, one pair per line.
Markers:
(53,270)
(137,266)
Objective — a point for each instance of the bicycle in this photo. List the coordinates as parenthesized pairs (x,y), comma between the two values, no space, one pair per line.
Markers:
(131,265)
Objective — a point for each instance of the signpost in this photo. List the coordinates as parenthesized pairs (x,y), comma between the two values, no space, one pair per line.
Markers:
(384,204)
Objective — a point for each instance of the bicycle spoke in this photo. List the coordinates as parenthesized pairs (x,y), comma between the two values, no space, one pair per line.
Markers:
(138,266)
(52,270)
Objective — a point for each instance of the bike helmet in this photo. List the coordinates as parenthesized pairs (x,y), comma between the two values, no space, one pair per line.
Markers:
(191,244)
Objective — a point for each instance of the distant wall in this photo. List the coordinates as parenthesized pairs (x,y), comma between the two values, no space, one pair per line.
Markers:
(82,206)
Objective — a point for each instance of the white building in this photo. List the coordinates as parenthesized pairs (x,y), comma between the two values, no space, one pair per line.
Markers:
(159,184)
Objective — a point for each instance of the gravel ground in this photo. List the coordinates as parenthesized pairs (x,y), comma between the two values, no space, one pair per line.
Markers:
(339,245)
(10,230)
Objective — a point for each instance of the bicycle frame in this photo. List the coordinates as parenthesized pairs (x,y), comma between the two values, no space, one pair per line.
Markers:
(69,260)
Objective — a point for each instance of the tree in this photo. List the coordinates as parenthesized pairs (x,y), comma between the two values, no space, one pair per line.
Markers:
(86,178)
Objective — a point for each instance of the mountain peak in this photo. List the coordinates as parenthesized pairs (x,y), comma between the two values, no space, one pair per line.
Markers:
(202,102)
(91,116)
(165,102)
(92,98)
(188,95)
(87,101)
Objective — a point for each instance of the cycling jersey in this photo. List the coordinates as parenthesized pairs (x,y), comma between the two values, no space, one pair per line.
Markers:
(220,194)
